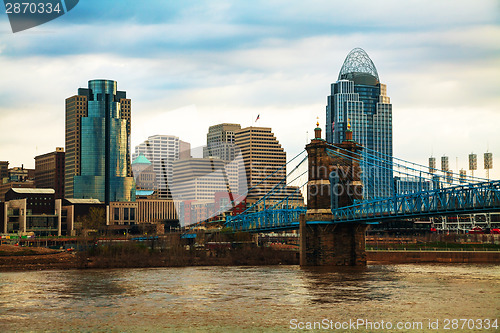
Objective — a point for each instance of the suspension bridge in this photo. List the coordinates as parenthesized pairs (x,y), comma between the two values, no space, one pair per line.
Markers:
(342,185)
(416,191)
(436,199)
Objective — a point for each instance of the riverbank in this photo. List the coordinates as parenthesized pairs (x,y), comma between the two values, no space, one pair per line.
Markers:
(414,256)
(14,258)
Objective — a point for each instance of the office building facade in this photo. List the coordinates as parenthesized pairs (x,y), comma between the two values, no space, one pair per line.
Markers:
(201,178)
(221,144)
(4,171)
(97,158)
(264,166)
(31,211)
(162,151)
(144,174)
(221,141)
(21,174)
(196,181)
(156,211)
(359,99)
(49,171)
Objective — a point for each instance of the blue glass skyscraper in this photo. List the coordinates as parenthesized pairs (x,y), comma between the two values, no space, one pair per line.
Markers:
(100,151)
(358,97)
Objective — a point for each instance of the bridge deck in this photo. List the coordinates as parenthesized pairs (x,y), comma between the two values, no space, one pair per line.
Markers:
(467,199)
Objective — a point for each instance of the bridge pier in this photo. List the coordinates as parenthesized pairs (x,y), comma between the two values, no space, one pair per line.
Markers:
(328,244)
(334,181)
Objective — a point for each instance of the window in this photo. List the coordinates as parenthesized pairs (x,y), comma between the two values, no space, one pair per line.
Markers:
(117,214)
(125,214)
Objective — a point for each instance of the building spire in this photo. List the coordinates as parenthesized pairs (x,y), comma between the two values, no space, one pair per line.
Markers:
(317,130)
(348,133)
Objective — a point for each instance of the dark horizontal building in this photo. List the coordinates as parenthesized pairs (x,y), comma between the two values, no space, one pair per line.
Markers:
(29,210)
(38,201)
(4,188)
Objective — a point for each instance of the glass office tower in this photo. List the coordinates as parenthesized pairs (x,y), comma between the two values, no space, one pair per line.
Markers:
(104,166)
(360,99)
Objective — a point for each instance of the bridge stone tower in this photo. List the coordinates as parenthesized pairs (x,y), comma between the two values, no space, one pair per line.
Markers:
(334,181)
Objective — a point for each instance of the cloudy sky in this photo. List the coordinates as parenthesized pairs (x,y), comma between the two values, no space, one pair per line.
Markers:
(187,65)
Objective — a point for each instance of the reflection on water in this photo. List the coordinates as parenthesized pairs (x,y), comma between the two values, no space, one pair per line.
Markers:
(347,284)
(242,298)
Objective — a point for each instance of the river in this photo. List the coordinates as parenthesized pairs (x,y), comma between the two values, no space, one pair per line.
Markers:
(251,299)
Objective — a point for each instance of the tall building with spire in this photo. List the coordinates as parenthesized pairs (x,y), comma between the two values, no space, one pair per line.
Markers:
(97,160)
(360,99)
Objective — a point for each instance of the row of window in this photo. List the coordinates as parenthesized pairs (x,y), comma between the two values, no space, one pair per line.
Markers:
(128,214)
(41,204)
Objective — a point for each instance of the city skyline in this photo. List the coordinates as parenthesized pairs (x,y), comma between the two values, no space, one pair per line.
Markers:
(441,70)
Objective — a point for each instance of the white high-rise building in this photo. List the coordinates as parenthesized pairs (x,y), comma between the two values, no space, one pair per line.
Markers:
(201,178)
(162,151)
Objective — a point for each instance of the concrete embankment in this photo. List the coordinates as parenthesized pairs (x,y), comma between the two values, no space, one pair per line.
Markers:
(394,257)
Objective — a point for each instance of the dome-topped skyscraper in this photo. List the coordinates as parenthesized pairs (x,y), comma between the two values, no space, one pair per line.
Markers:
(358,66)
(358,97)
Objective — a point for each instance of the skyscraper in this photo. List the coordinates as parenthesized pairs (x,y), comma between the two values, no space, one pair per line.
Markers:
(360,99)
(220,141)
(221,144)
(97,144)
(162,151)
(264,165)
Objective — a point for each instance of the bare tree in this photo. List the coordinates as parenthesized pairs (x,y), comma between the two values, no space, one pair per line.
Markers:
(94,220)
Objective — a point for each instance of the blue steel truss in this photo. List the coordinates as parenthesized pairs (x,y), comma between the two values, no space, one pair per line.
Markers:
(443,198)
(467,199)
(267,220)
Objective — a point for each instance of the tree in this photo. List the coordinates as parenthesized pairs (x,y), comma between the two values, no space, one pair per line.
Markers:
(95,219)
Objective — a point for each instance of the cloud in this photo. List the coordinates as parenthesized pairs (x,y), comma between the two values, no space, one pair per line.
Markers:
(135,29)
(420,133)
(353,14)
(228,62)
